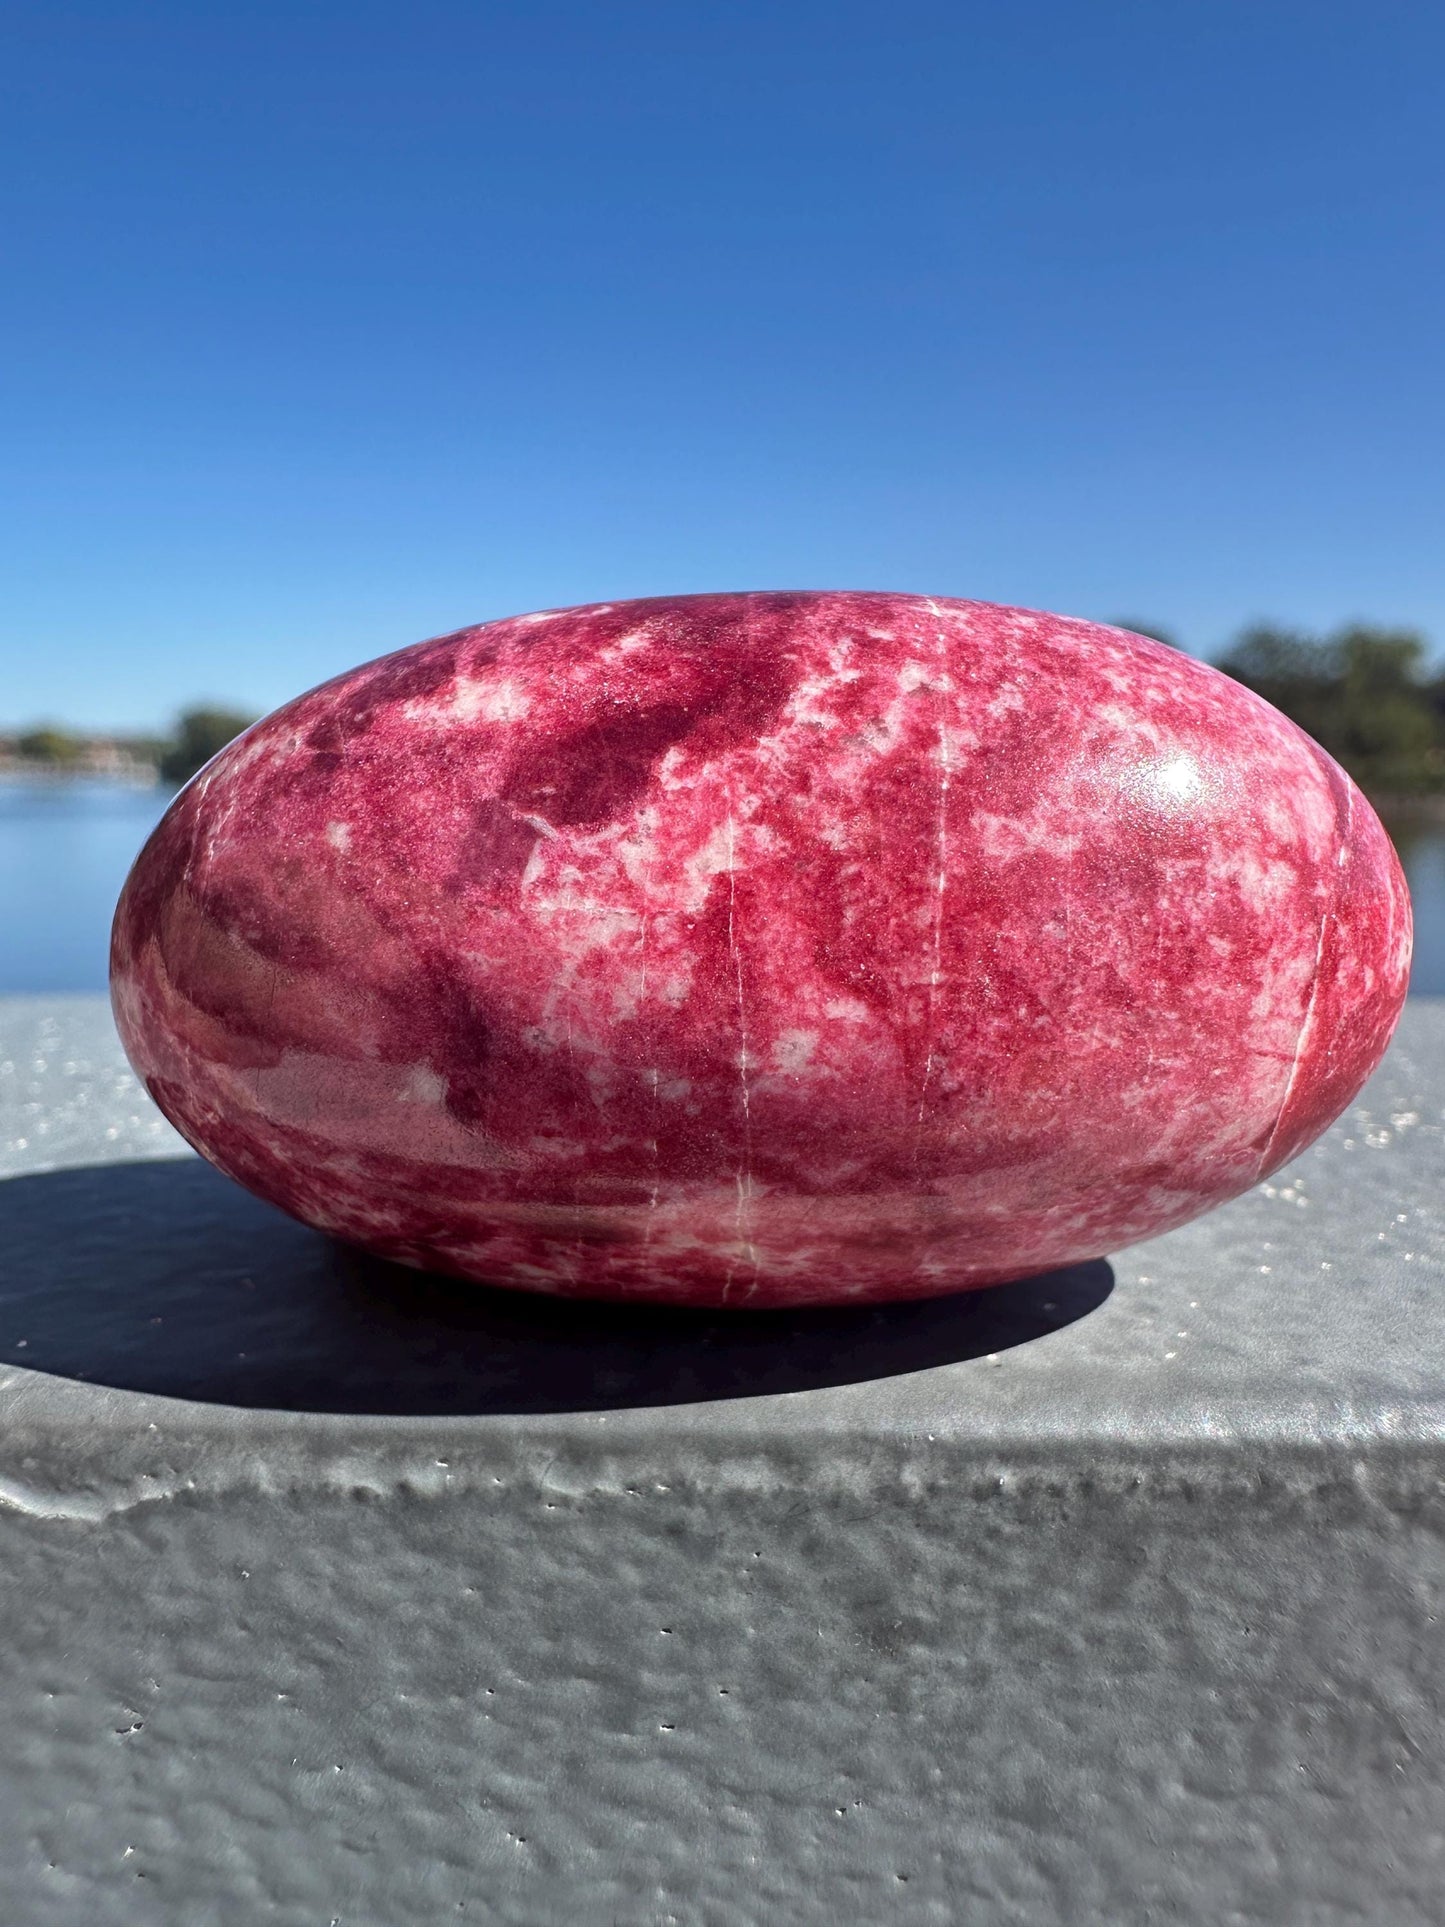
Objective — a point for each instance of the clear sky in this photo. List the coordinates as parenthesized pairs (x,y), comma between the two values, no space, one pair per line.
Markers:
(331,325)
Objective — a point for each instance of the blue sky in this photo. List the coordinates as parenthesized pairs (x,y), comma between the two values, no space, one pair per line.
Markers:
(332,326)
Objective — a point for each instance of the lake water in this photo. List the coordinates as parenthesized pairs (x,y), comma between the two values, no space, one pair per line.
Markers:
(65,848)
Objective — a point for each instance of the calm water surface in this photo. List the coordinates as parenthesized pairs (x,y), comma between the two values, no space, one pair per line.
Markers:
(65,848)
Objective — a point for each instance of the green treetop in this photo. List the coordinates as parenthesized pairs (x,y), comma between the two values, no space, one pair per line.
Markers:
(199,735)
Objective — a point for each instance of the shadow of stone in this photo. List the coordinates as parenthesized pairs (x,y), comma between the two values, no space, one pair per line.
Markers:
(165,1278)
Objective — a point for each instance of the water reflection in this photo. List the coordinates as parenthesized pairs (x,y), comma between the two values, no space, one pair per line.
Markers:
(65,847)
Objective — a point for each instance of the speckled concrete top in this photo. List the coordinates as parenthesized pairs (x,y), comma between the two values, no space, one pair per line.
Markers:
(146,1297)
(334,1595)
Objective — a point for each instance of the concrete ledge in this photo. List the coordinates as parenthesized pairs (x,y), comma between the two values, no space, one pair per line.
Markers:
(333,1593)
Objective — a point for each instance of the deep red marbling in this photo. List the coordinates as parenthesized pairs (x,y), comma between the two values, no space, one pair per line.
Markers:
(762,949)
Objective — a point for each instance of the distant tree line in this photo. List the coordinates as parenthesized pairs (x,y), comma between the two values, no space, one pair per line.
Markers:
(196,736)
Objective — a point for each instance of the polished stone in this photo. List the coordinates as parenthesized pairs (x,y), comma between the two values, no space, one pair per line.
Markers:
(762,950)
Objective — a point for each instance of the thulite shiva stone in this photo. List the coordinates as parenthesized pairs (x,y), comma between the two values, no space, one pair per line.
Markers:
(762,949)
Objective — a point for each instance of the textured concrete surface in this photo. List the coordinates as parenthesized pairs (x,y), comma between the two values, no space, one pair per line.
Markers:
(331,1594)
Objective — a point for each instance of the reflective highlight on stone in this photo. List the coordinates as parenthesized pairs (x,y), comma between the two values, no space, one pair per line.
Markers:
(762,949)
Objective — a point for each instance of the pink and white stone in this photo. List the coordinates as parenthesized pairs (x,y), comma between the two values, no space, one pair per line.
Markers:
(762,949)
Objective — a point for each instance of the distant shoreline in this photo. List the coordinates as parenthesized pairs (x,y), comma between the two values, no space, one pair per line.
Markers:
(145,776)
